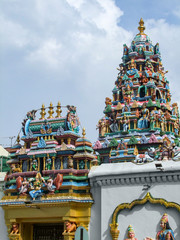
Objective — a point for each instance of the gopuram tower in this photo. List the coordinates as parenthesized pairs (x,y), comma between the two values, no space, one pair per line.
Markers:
(136,188)
(140,123)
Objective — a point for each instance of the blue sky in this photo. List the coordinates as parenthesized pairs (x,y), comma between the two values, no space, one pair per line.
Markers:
(155,9)
(68,51)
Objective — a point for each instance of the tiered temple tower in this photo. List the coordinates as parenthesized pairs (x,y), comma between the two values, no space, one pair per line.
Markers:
(139,148)
(140,122)
(47,191)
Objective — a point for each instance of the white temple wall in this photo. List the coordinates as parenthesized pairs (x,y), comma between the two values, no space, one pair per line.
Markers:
(95,222)
(114,191)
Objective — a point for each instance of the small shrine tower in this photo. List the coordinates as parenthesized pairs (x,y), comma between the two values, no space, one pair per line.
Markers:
(47,193)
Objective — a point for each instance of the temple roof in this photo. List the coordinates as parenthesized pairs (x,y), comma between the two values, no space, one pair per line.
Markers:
(3,152)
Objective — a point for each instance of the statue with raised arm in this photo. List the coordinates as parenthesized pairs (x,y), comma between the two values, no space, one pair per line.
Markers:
(166,232)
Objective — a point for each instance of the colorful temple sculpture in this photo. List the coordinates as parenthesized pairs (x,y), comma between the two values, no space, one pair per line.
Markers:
(60,187)
(46,190)
(140,123)
(138,179)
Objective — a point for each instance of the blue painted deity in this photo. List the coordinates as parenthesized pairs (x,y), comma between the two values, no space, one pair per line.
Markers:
(132,68)
(72,119)
(143,121)
(166,233)
(36,187)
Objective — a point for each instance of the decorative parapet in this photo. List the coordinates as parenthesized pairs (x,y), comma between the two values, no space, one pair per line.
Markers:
(150,173)
(129,180)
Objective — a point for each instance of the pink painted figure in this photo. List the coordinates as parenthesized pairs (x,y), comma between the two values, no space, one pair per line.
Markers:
(69,227)
(131,234)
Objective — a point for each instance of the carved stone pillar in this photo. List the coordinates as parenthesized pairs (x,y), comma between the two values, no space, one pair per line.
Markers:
(44,163)
(53,163)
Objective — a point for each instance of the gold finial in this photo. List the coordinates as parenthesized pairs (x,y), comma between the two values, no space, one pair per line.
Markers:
(50,111)
(58,111)
(18,139)
(141,27)
(42,113)
(83,132)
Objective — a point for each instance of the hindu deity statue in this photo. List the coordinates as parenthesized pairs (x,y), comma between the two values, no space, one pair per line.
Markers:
(132,68)
(125,122)
(143,121)
(37,185)
(69,227)
(15,228)
(149,68)
(50,187)
(131,234)
(113,121)
(24,187)
(166,233)
(102,126)
(34,165)
(72,119)
(48,163)
(176,127)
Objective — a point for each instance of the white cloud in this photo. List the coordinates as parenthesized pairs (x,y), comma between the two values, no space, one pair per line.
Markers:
(48,53)
(12,34)
(69,51)
(176,12)
(168,37)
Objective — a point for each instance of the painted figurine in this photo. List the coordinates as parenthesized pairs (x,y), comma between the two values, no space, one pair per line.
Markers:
(69,227)
(131,234)
(48,163)
(166,233)
(125,122)
(34,165)
(22,186)
(176,127)
(102,126)
(15,168)
(50,187)
(143,121)
(113,121)
(15,228)
(72,119)
(58,181)
(37,187)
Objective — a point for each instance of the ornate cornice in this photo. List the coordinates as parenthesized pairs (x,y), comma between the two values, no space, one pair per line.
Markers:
(135,179)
